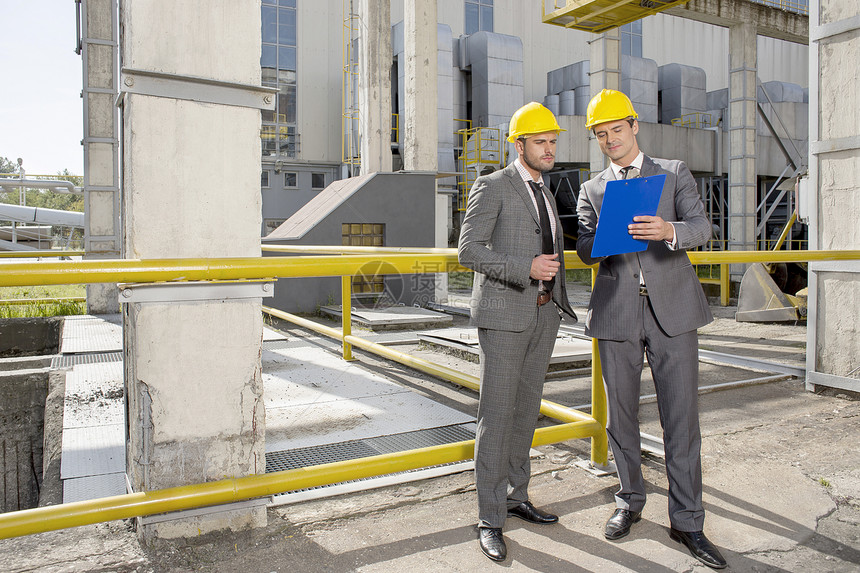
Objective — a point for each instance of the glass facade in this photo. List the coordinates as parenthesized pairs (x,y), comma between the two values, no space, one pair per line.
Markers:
(479,16)
(631,39)
(278,63)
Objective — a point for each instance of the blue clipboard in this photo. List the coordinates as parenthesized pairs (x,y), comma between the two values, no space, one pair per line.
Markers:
(622,200)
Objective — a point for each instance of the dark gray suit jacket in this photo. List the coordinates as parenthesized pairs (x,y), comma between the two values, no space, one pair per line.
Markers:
(673,287)
(499,238)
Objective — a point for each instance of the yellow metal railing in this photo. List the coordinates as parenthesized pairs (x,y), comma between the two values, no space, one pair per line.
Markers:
(696,119)
(796,6)
(39,254)
(575,424)
(479,147)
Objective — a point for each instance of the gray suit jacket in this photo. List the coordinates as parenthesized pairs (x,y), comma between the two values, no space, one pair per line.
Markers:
(499,238)
(673,287)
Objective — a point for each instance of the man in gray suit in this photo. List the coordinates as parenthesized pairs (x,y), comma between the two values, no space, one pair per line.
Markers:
(512,238)
(649,302)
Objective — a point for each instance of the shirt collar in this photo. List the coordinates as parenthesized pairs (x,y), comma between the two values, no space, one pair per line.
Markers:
(524,173)
(637,163)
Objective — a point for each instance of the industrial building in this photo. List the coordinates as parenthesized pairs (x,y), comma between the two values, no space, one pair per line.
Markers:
(362,123)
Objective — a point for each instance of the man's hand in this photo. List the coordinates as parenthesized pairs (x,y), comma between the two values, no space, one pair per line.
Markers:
(649,228)
(544,267)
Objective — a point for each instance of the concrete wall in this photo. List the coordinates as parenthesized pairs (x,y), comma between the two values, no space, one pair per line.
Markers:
(22,415)
(834,98)
(385,199)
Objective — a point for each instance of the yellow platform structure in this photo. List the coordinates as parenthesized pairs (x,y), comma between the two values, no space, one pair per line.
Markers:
(600,15)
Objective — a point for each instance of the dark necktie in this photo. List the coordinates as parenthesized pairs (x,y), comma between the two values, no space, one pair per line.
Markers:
(547,241)
(629,172)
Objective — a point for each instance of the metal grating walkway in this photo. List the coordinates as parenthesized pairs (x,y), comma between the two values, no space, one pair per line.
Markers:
(355,449)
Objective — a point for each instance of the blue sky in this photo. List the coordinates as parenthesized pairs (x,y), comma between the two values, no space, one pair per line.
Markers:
(41,114)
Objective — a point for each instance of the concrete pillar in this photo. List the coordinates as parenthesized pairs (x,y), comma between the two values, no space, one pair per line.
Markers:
(833,333)
(418,122)
(742,141)
(191,174)
(102,234)
(605,73)
(374,86)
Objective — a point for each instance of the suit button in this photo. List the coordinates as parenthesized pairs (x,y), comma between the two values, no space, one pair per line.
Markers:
(537,231)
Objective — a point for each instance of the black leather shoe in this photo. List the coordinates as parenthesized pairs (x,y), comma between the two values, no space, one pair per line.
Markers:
(527,511)
(619,524)
(700,547)
(492,543)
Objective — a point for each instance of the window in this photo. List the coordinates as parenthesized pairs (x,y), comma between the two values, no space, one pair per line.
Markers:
(264,179)
(270,225)
(278,63)
(317,180)
(631,39)
(291,179)
(364,235)
(479,16)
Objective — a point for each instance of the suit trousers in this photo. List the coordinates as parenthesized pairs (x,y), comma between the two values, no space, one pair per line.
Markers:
(675,369)
(513,369)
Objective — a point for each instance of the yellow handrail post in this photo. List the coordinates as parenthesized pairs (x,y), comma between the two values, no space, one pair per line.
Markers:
(599,442)
(346,314)
(725,285)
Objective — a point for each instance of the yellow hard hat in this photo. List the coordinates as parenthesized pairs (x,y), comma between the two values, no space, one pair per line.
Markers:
(532,118)
(608,105)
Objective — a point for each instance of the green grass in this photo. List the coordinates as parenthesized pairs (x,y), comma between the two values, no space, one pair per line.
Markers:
(581,276)
(36,309)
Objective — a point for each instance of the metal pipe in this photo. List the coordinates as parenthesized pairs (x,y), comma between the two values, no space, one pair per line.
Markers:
(255,268)
(59,185)
(25,214)
(35,253)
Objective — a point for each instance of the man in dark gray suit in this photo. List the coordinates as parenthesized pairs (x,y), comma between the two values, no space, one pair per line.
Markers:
(512,238)
(649,302)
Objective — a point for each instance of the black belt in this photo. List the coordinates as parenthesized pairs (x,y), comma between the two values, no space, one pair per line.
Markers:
(543,297)
(643,290)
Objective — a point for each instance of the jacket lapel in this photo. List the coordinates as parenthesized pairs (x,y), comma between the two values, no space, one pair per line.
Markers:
(519,188)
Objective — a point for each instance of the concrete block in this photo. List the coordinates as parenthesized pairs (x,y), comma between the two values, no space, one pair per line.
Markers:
(30,336)
(99,66)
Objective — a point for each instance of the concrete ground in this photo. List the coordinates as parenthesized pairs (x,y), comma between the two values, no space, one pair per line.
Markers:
(781,490)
